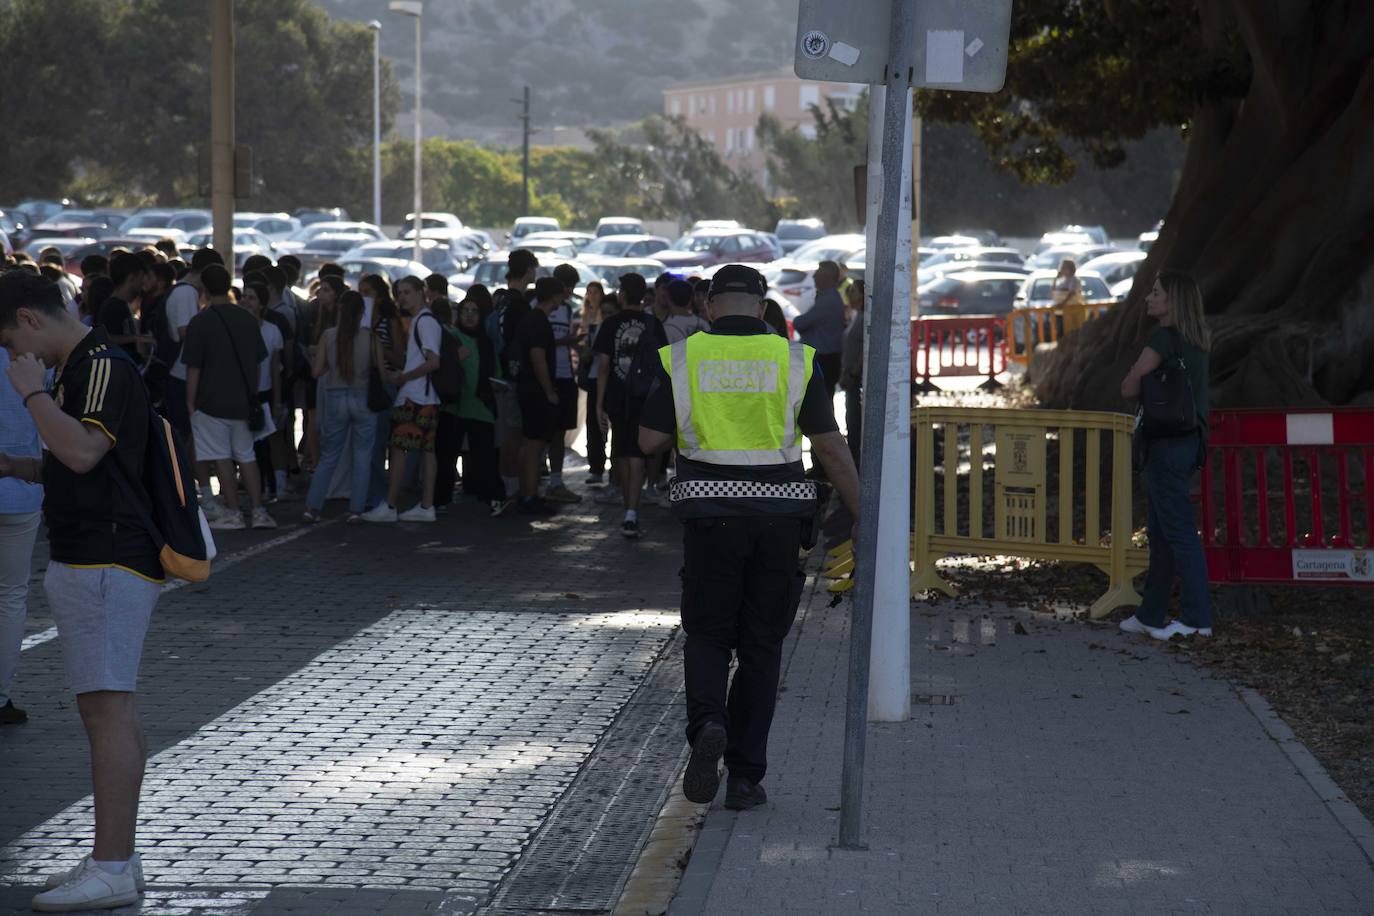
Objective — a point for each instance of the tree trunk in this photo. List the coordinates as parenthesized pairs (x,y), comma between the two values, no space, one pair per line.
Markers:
(1274,217)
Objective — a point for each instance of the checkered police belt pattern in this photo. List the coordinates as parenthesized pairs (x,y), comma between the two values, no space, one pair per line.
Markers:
(741,489)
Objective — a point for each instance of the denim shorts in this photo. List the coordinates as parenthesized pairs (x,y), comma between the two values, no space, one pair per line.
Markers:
(102,615)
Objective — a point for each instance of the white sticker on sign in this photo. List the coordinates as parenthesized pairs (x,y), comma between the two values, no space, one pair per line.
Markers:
(845,54)
(945,56)
(974,47)
(1333,565)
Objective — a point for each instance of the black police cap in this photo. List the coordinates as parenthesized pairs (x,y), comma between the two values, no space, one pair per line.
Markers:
(736,278)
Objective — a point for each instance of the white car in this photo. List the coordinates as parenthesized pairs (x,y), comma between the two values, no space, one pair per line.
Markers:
(437,256)
(1116,267)
(609,269)
(392,268)
(1036,291)
(313,231)
(579,240)
(619,225)
(155,234)
(549,249)
(524,225)
(943,242)
(791,280)
(432,220)
(626,246)
(704,224)
(276,226)
(1079,253)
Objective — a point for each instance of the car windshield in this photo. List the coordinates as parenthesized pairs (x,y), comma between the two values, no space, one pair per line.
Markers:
(490,273)
(610,247)
(697,243)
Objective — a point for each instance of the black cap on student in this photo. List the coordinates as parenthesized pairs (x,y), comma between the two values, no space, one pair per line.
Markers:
(736,278)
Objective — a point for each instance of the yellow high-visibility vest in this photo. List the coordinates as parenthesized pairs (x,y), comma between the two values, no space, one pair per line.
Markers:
(737,397)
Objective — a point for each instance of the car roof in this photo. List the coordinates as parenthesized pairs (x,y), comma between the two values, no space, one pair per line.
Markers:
(632,237)
(619,219)
(535,221)
(1129,254)
(970,276)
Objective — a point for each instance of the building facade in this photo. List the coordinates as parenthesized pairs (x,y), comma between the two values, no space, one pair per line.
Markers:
(726,111)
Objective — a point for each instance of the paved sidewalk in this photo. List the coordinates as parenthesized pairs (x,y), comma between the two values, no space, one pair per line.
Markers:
(1076,771)
(372,719)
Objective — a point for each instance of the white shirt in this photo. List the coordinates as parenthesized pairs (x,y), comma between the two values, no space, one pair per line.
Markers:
(271,338)
(561,320)
(420,391)
(680,327)
(182,305)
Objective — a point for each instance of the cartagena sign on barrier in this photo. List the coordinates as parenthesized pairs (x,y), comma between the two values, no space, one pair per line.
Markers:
(1027,445)
(1340,566)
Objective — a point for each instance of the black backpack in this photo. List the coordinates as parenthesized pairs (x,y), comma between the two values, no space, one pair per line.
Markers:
(1167,407)
(645,366)
(447,380)
(171,515)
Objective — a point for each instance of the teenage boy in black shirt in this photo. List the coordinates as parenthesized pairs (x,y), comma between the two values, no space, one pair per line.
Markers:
(103,577)
(116,314)
(534,387)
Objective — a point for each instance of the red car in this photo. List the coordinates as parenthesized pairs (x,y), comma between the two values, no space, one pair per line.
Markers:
(717,246)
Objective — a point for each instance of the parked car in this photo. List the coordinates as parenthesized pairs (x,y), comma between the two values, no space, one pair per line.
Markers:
(1116,266)
(549,249)
(524,225)
(704,224)
(101,247)
(1009,256)
(491,273)
(64,244)
(619,225)
(1147,239)
(1079,253)
(247,242)
(933,272)
(970,292)
(436,256)
(144,237)
(712,246)
(579,240)
(1035,290)
(391,268)
(986,237)
(794,233)
(945,242)
(1097,233)
(625,246)
(434,220)
(610,269)
(14,226)
(43,210)
(791,280)
(311,215)
(276,226)
(328,246)
(309,233)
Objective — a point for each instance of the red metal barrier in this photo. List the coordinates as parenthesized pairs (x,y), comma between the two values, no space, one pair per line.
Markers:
(946,346)
(1316,468)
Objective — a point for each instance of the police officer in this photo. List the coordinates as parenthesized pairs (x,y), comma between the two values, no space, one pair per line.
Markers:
(735,401)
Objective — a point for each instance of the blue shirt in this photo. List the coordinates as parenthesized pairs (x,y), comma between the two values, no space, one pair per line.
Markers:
(18,436)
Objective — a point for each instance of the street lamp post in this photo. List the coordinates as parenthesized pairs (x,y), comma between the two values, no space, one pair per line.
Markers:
(376,28)
(414,8)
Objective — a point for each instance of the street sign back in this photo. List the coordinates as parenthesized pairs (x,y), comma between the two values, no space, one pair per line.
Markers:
(956,44)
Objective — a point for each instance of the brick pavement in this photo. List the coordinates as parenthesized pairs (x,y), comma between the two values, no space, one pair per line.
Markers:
(1078,770)
(363,720)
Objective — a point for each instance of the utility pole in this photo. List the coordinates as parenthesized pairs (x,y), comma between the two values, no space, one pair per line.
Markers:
(222,127)
(525,149)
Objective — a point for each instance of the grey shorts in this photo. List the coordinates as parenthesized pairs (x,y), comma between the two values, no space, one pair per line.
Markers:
(508,421)
(102,615)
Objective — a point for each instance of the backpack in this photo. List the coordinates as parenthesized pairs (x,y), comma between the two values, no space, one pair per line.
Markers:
(175,522)
(447,380)
(645,365)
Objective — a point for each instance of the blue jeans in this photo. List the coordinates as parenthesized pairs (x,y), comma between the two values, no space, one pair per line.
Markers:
(344,418)
(1175,548)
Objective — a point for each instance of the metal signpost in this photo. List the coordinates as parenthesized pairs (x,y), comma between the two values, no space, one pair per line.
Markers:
(898,44)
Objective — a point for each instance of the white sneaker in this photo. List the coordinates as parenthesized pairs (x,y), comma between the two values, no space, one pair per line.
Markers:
(89,887)
(227,521)
(1179,628)
(1132,624)
(416,513)
(61,878)
(263,519)
(212,507)
(380,513)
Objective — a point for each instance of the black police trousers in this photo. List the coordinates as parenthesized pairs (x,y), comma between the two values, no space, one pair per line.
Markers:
(741,585)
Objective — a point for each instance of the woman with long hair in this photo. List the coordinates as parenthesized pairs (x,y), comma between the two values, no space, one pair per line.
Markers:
(326,307)
(343,359)
(257,300)
(1170,462)
(476,409)
(1067,288)
(384,319)
(586,380)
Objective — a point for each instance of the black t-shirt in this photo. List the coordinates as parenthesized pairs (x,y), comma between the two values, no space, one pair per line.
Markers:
(511,309)
(535,333)
(228,359)
(619,338)
(92,518)
(117,318)
(817,414)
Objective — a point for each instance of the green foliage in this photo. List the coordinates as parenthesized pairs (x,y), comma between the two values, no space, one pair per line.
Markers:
(1086,78)
(119,106)
(816,175)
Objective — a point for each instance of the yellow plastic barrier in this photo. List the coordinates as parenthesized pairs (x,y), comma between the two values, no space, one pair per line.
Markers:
(1026,328)
(1021,479)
